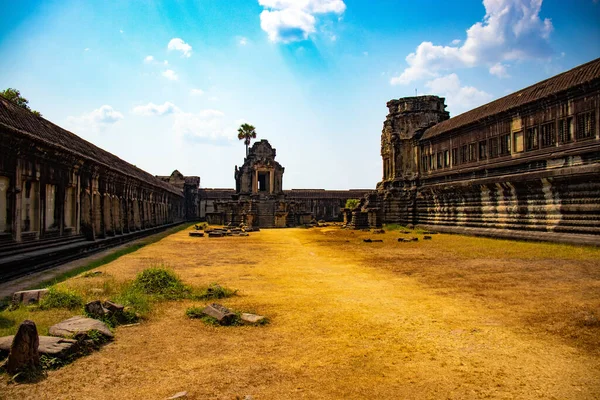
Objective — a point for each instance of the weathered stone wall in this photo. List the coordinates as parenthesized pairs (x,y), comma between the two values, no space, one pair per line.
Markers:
(56,185)
(527,165)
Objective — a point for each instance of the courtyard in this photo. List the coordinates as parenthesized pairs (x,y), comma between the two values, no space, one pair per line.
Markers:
(452,317)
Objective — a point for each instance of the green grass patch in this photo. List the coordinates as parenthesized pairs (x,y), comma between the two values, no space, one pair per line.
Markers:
(112,256)
(212,292)
(395,227)
(161,283)
(61,298)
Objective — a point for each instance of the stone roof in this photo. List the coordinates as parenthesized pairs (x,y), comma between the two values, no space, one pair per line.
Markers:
(325,194)
(216,194)
(22,122)
(577,76)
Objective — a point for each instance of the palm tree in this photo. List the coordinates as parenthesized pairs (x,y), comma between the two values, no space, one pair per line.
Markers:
(246,132)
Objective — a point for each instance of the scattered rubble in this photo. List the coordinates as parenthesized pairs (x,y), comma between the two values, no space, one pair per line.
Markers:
(252,319)
(80,327)
(220,313)
(29,296)
(23,354)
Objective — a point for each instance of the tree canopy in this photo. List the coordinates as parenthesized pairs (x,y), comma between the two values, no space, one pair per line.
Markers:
(14,95)
(246,132)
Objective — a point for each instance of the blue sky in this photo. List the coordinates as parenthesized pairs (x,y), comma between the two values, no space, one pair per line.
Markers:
(165,84)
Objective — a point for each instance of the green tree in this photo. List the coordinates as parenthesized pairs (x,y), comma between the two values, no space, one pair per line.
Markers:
(246,132)
(14,95)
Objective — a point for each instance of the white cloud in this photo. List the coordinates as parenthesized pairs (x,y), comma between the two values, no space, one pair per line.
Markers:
(179,45)
(499,70)
(459,98)
(170,75)
(148,59)
(95,120)
(209,125)
(242,41)
(121,30)
(165,62)
(196,92)
(86,49)
(206,125)
(456,42)
(294,20)
(511,30)
(156,109)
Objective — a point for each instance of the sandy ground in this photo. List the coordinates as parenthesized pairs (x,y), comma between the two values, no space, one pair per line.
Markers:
(451,318)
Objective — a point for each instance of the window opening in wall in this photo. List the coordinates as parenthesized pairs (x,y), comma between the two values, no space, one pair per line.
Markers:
(263,181)
(532,139)
(483,150)
(505,144)
(565,130)
(4,204)
(472,152)
(586,125)
(446,158)
(454,156)
(493,147)
(439,161)
(424,162)
(518,141)
(431,165)
(464,154)
(548,134)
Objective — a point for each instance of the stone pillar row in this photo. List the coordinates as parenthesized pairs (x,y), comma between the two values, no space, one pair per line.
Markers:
(89,200)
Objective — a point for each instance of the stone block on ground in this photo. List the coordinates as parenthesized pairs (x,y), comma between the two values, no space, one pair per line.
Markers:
(372,240)
(178,395)
(29,296)
(426,237)
(197,234)
(96,309)
(220,313)
(251,319)
(23,354)
(113,307)
(215,234)
(48,345)
(79,327)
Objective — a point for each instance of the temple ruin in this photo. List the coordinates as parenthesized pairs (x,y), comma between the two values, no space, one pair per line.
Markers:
(260,201)
(524,166)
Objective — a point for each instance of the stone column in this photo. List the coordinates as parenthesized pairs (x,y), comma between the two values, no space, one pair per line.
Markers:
(78,204)
(255,182)
(271,181)
(17,199)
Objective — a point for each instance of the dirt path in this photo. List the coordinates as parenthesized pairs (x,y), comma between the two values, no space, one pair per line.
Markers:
(340,329)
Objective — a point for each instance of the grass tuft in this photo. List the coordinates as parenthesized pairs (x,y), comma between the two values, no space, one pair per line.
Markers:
(162,283)
(61,298)
(214,291)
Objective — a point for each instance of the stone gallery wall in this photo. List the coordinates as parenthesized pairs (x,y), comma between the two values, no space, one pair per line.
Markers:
(526,165)
(54,185)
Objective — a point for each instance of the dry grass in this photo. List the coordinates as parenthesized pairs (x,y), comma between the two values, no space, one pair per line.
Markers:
(455,317)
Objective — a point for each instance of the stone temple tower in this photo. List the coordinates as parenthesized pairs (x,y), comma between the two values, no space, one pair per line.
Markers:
(408,118)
